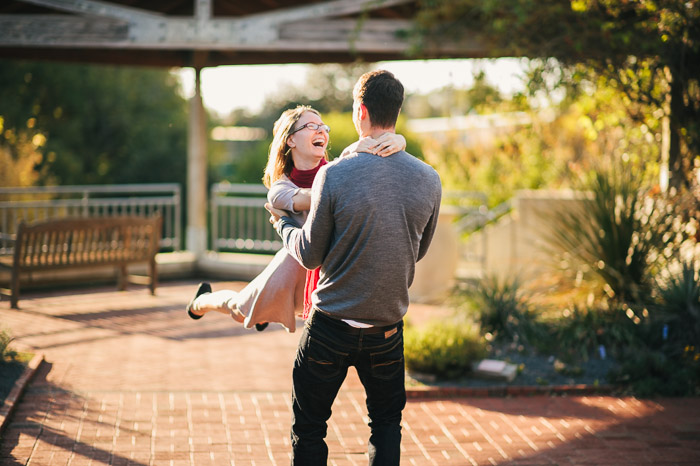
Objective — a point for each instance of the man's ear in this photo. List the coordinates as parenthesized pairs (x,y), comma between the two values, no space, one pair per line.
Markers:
(363,112)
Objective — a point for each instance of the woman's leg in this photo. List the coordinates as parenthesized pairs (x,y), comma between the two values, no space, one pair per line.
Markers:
(223,301)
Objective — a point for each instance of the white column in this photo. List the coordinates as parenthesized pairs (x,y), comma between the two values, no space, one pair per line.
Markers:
(197,173)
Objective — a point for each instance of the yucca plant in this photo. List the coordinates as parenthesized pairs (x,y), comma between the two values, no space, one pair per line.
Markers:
(666,359)
(501,307)
(679,307)
(619,234)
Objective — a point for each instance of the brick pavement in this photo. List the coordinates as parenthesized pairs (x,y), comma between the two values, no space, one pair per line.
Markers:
(129,380)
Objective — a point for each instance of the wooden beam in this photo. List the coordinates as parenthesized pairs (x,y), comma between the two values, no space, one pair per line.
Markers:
(203,11)
(146,30)
(319,11)
(61,30)
(180,58)
(369,36)
(314,28)
(96,8)
(204,8)
(334,29)
(64,31)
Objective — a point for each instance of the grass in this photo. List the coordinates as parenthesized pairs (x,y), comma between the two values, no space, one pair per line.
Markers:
(12,364)
(11,370)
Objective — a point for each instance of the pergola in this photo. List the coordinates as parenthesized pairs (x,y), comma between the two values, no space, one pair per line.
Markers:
(206,33)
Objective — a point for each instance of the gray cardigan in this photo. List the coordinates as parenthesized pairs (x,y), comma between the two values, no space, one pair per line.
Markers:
(371,220)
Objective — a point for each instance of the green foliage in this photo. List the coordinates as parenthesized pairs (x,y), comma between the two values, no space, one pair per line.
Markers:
(649,50)
(679,309)
(556,146)
(650,372)
(600,30)
(249,165)
(501,308)
(446,349)
(19,158)
(618,234)
(481,98)
(665,359)
(625,238)
(342,133)
(6,354)
(523,159)
(101,124)
(580,332)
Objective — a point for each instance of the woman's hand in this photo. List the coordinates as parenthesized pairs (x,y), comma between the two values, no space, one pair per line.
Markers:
(384,145)
(275,214)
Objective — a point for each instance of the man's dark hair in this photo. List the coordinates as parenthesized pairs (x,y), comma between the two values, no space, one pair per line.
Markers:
(382,94)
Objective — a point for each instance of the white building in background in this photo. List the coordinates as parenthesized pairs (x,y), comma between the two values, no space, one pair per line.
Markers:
(238,133)
(474,130)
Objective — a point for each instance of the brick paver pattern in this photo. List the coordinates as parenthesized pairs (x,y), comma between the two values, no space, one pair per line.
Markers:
(130,380)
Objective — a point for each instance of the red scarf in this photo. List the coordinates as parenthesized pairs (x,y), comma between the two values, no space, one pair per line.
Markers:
(305,179)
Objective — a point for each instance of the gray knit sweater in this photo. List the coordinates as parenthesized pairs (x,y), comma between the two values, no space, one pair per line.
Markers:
(371,220)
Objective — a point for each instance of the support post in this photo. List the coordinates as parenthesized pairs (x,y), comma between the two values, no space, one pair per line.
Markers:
(197,173)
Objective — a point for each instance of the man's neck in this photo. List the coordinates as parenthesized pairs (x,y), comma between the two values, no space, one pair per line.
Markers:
(374,133)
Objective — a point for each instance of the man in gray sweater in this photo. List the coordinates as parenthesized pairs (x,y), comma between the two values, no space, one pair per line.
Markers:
(371,219)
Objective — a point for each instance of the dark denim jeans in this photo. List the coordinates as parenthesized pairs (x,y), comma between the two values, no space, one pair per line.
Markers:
(326,349)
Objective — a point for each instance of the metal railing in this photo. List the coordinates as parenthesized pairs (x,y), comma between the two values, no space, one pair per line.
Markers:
(41,203)
(471,213)
(239,221)
(472,209)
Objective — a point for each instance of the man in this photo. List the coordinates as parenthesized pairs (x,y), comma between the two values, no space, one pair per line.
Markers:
(371,219)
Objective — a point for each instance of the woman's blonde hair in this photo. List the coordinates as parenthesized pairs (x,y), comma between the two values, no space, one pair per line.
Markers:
(279,160)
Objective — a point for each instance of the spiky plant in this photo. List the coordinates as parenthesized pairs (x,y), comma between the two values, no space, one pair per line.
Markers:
(679,309)
(620,233)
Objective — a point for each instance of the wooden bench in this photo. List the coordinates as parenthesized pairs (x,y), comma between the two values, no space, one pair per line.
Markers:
(68,243)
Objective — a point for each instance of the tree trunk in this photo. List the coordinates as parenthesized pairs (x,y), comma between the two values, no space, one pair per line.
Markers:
(677,176)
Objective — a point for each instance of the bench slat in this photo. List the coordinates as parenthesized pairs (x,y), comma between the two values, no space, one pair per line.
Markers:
(86,242)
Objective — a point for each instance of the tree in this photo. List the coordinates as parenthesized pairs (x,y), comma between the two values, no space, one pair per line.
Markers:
(482,97)
(649,49)
(101,124)
(19,158)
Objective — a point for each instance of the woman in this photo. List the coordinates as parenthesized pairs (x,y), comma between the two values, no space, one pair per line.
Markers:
(297,152)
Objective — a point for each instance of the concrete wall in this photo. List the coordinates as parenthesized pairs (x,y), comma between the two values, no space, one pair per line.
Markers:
(516,244)
(436,272)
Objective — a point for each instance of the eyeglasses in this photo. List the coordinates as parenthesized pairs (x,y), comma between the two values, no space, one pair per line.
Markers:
(313,127)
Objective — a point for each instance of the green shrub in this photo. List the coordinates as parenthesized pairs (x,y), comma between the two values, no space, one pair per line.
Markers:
(580,332)
(501,307)
(6,354)
(620,235)
(446,349)
(647,372)
(679,307)
(665,361)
